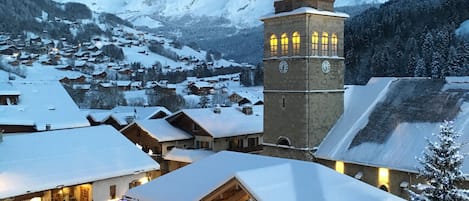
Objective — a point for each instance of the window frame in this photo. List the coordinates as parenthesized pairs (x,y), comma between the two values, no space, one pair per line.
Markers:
(273,45)
(296,42)
(334,44)
(284,44)
(315,43)
(325,44)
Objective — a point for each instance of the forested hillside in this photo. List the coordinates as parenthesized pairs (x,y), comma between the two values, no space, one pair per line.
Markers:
(407,38)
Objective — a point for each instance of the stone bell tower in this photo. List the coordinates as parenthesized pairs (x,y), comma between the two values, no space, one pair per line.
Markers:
(304,76)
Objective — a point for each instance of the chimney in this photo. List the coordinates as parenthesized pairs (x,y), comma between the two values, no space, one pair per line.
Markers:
(48,127)
(247,110)
(217,109)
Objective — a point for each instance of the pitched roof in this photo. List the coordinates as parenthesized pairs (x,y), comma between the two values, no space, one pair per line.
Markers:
(187,155)
(231,121)
(8,89)
(266,178)
(122,113)
(42,103)
(41,161)
(391,118)
(161,130)
(306,10)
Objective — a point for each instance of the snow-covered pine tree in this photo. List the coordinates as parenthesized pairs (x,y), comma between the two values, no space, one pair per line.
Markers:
(436,65)
(420,69)
(441,163)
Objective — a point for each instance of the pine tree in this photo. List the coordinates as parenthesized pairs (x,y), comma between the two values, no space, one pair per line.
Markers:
(420,69)
(454,63)
(441,163)
(436,66)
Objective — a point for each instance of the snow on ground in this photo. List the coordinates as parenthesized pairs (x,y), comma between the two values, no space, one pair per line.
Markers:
(463,30)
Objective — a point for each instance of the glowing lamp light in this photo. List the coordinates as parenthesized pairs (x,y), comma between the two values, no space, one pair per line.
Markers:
(340,167)
(143,180)
(383,174)
(36,199)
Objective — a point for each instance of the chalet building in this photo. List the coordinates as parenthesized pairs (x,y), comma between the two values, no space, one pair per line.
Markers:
(201,88)
(65,67)
(235,129)
(244,97)
(9,50)
(121,116)
(195,130)
(372,133)
(239,176)
(123,85)
(73,164)
(99,75)
(73,79)
(178,158)
(29,107)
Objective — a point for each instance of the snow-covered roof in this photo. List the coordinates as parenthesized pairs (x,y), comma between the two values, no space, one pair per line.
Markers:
(266,178)
(187,155)
(306,10)
(120,113)
(386,122)
(7,89)
(231,121)
(161,130)
(41,161)
(42,103)
(249,95)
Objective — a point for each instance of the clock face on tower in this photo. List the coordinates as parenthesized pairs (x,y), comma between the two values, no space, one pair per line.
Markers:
(283,66)
(326,66)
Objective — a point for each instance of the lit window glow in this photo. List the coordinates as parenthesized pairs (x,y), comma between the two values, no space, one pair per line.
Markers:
(325,44)
(143,180)
(383,176)
(284,42)
(340,167)
(334,42)
(315,43)
(296,42)
(36,199)
(273,45)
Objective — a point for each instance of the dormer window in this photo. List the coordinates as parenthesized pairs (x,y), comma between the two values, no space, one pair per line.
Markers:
(296,42)
(273,45)
(325,44)
(334,42)
(284,42)
(315,43)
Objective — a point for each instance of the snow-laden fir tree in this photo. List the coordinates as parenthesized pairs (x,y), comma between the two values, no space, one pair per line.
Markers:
(436,65)
(420,69)
(441,163)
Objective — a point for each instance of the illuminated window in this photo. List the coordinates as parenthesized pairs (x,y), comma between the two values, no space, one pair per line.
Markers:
(296,42)
(273,45)
(315,43)
(334,42)
(383,177)
(340,167)
(284,42)
(325,44)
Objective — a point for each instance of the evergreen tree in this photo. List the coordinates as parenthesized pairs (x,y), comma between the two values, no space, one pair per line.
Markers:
(428,48)
(441,163)
(436,66)
(420,69)
(454,66)
(204,101)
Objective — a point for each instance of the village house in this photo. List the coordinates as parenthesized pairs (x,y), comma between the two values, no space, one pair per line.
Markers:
(92,163)
(201,88)
(121,116)
(244,97)
(178,158)
(239,176)
(29,107)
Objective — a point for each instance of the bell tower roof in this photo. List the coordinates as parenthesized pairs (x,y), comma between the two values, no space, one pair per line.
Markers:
(290,5)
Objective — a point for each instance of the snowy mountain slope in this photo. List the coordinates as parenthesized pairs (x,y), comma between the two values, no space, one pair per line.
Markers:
(239,13)
(463,30)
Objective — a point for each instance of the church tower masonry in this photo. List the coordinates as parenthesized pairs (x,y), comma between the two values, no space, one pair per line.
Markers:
(304,76)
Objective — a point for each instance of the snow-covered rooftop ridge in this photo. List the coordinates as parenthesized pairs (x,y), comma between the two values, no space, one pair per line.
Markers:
(230,121)
(122,113)
(42,103)
(161,130)
(347,141)
(8,89)
(306,10)
(266,178)
(40,161)
(187,155)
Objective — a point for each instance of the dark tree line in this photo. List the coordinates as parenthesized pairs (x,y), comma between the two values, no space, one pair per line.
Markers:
(407,38)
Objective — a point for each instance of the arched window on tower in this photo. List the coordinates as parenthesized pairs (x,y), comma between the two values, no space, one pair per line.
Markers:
(296,42)
(273,45)
(315,43)
(334,42)
(325,44)
(284,42)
